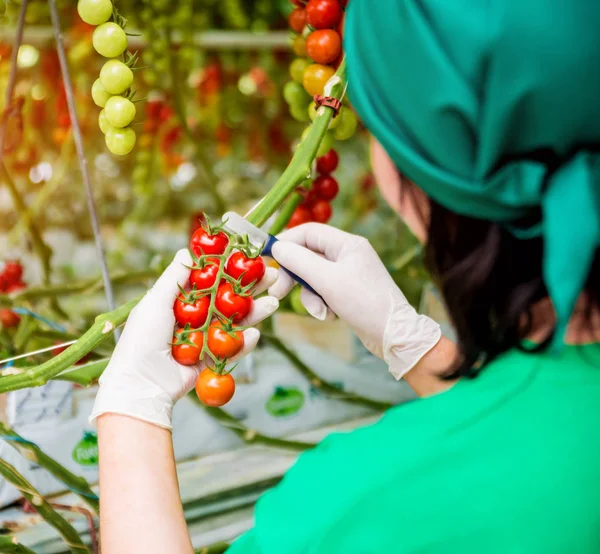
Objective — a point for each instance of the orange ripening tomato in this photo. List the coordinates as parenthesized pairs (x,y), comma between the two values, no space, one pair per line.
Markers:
(214,389)
(315,77)
(324,46)
(224,343)
(187,346)
(297,20)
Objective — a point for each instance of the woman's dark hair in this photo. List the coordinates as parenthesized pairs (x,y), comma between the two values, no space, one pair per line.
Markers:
(490,281)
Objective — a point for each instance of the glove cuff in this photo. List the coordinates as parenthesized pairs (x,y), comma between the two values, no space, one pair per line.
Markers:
(407,338)
(134,398)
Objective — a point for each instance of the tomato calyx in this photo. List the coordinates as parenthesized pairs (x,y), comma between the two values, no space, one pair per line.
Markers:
(213,229)
(189,297)
(238,288)
(181,336)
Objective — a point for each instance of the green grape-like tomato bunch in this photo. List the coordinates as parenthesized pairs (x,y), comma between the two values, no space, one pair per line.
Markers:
(112,90)
(210,308)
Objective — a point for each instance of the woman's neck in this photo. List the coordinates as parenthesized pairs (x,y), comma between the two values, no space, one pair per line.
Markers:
(584,325)
(584,328)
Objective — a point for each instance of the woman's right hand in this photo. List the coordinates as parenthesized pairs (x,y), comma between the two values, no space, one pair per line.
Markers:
(347,272)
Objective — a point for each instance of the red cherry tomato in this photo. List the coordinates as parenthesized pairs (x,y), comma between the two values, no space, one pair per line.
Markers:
(367,182)
(297,20)
(321,211)
(153,109)
(224,343)
(324,46)
(190,311)
(9,318)
(328,163)
(205,277)
(184,353)
(231,304)
(214,389)
(323,14)
(301,215)
(308,202)
(14,287)
(13,271)
(197,220)
(326,187)
(248,269)
(204,243)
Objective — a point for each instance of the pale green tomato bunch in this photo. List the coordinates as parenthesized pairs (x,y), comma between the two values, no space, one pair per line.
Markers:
(112,90)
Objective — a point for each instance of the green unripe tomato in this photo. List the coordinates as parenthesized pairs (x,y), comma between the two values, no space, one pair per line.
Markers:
(299,113)
(297,68)
(347,125)
(103,123)
(120,141)
(95,12)
(109,40)
(295,301)
(119,111)
(294,93)
(326,144)
(99,94)
(116,77)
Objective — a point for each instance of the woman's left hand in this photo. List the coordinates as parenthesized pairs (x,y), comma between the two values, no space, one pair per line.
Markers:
(143,380)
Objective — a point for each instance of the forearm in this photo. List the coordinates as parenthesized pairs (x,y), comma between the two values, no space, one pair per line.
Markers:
(424,377)
(140,509)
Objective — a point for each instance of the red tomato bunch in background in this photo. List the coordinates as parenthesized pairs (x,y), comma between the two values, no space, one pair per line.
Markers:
(208,311)
(11,280)
(316,206)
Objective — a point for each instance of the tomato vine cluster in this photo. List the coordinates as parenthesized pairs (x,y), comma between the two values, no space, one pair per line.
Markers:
(318,26)
(112,90)
(316,205)
(209,310)
(11,280)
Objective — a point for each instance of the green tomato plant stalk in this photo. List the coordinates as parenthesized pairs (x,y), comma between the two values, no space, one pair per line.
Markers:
(33,453)
(10,545)
(42,506)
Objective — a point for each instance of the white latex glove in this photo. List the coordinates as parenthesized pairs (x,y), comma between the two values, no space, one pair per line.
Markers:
(347,272)
(142,379)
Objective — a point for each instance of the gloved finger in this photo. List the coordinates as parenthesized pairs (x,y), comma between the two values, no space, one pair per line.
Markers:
(251,337)
(320,238)
(268,279)
(309,266)
(188,376)
(165,290)
(261,309)
(284,284)
(313,304)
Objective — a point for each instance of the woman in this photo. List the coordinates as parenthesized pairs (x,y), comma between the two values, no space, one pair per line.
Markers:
(492,109)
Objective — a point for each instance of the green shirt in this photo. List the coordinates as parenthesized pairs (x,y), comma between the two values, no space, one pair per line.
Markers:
(505,463)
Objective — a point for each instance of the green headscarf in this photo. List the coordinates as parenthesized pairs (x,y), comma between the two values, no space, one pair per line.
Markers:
(493,109)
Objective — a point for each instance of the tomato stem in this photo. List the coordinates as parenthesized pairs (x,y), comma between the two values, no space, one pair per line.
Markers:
(300,165)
